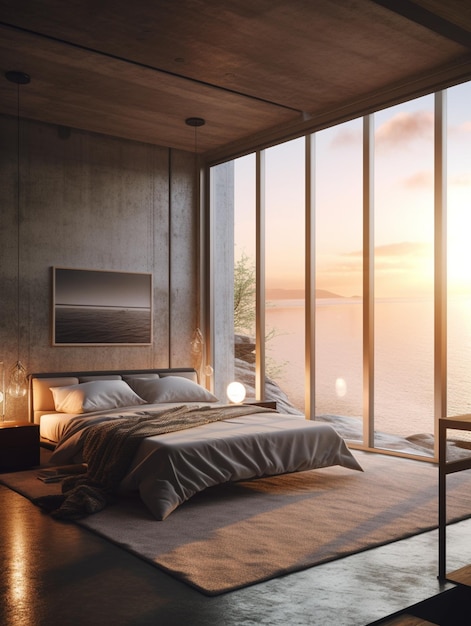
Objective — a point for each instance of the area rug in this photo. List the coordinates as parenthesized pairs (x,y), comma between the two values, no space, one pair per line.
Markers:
(240,534)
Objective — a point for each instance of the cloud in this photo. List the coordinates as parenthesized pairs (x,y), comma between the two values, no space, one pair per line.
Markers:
(460,129)
(404,248)
(405,127)
(354,253)
(346,137)
(461,180)
(393,257)
(420,180)
(399,268)
(398,250)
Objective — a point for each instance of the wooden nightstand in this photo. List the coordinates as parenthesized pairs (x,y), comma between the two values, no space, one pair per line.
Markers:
(19,445)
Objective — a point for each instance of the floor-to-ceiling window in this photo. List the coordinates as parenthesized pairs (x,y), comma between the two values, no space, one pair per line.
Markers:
(284,268)
(459,248)
(339,272)
(404,270)
(402,230)
(283,208)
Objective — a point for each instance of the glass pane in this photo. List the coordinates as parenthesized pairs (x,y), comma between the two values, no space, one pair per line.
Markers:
(339,270)
(404,237)
(244,271)
(459,249)
(284,323)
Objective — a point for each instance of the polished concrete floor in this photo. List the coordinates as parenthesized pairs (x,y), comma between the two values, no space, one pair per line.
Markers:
(56,573)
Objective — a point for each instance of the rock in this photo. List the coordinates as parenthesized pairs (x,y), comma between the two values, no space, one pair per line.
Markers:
(244,348)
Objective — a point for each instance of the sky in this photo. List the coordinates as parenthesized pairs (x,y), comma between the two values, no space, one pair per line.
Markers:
(403,201)
(96,288)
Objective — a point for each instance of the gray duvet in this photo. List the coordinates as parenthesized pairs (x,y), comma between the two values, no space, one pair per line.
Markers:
(170,468)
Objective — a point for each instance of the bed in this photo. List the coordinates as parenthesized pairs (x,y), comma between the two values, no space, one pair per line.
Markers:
(196,442)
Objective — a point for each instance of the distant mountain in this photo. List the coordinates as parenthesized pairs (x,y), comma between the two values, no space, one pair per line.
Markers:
(323,293)
(297,294)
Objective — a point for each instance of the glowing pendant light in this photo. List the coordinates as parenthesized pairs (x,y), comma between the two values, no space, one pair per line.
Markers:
(17,385)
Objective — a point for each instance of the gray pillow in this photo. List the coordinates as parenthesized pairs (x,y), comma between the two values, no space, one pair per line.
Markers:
(96,395)
(170,389)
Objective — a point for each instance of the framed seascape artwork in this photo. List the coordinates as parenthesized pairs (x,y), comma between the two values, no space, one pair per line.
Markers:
(95,307)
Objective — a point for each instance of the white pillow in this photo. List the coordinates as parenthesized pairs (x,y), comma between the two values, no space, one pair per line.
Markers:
(170,389)
(94,396)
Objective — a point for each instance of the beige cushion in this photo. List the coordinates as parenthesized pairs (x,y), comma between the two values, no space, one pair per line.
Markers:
(42,396)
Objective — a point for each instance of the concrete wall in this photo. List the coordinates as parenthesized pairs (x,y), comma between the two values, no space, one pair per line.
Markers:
(93,202)
(222,227)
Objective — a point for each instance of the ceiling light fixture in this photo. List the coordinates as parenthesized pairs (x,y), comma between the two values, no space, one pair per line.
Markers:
(195,122)
(17,385)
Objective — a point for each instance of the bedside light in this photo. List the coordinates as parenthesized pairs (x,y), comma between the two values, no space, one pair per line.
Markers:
(236,392)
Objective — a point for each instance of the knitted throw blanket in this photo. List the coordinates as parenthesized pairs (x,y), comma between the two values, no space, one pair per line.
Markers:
(109,448)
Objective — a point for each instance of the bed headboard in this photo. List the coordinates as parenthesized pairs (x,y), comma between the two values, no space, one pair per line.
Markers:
(41,400)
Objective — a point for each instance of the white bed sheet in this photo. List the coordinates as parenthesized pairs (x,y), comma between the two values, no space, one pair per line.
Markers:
(51,426)
(169,469)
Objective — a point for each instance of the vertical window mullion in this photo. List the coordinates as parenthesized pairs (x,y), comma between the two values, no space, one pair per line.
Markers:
(310,279)
(260,278)
(207,254)
(440,284)
(368,281)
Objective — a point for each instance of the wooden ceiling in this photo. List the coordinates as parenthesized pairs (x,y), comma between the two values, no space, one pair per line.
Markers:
(256,70)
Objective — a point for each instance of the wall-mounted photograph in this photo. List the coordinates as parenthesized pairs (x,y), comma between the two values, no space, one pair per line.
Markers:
(97,307)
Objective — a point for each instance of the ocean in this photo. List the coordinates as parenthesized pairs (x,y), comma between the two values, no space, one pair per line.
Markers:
(102,325)
(404,353)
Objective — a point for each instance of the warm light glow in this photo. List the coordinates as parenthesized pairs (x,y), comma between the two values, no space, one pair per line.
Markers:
(2,393)
(236,392)
(18,385)
(20,583)
(458,249)
(341,387)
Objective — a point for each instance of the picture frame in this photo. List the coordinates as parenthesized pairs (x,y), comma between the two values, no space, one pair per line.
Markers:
(101,307)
